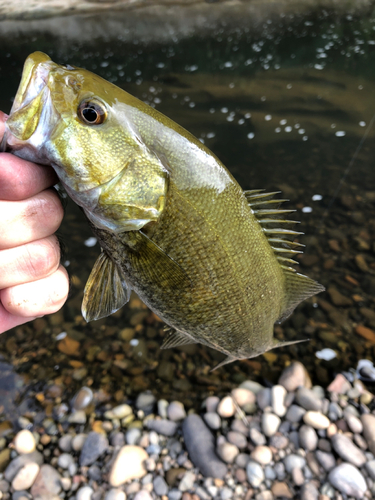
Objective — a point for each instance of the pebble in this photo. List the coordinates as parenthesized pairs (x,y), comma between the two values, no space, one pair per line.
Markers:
(308,400)
(47,483)
(212,403)
(187,481)
(348,480)
(316,420)
(293,461)
(281,490)
(308,438)
(200,445)
(25,477)
(115,494)
(94,446)
(264,398)
(294,376)
(164,427)
(262,455)
(143,495)
(270,423)
(84,493)
(78,441)
(255,473)
(120,411)
(227,452)
(326,460)
(176,411)
(257,437)
(226,407)
(82,399)
(348,450)
(309,491)
(77,417)
(212,420)
(243,397)
(295,413)
(145,401)
(17,463)
(133,435)
(238,439)
(128,464)
(24,442)
(160,486)
(368,422)
(65,443)
(278,394)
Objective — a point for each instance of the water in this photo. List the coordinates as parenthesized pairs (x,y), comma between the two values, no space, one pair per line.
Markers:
(284,106)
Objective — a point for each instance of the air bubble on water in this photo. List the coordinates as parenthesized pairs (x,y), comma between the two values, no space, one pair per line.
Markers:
(174,95)
(157,100)
(268,118)
(228,64)
(210,135)
(288,129)
(307,210)
(90,242)
(277,66)
(327,354)
(340,133)
(297,126)
(202,140)
(192,104)
(191,68)
(186,98)
(371,42)
(248,115)
(138,81)
(152,90)
(160,65)
(362,124)
(66,263)
(308,23)
(231,85)
(224,110)
(277,130)
(138,72)
(318,66)
(241,121)
(248,62)
(301,131)
(263,98)
(304,138)
(104,64)
(211,110)
(283,121)
(121,73)
(333,125)
(321,55)
(251,135)
(360,87)
(134,342)
(61,336)
(289,86)
(317,197)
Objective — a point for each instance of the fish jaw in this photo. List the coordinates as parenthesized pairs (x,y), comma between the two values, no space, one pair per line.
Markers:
(33,117)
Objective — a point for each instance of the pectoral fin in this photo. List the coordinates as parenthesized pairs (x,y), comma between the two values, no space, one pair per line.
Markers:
(106,290)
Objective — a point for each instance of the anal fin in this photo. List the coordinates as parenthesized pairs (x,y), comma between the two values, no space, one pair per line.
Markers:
(106,290)
(175,338)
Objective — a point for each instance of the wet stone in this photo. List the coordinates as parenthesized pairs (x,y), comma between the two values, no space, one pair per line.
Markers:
(24,442)
(25,477)
(348,450)
(94,446)
(227,452)
(295,413)
(257,437)
(145,402)
(47,483)
(293,461)
(160,486)
(115,494)
(255,474)
(133,435)
(213,420)
(237,439)
(281,490)
(308,399)
(278,394)
(270,423)
(316,419)
(326,460)
(309,492)
(128,464)
(262,455)
(308,438)
(164,427)
(226,407)
(176,411)
(187,481)
(294,376)
(279,441)
(18,462)
(200,445)
(84,493)
(264,398)
(348,480)
(368,422)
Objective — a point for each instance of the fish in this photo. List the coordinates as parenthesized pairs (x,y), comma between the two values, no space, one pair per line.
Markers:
(213,261)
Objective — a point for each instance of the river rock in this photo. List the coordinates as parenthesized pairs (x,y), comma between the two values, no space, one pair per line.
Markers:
(120,411)
(160,486)
(309,491)
(227,452)
(243,397)
(145,401)
(368,422)
(326,460)
(316,420)
(270,423)
(294,376)
(262,455)
(226,407)
(25,477)
(264,398)
(24,442)
(94,446)
(84,493)
(348,450)
(213,420)
(128,464)
(308,438)
(293,461)
(295,413)
(308,399)
(176,411)
(201,448)
(163,426)
(47,483)
(255,474)
(115,494)
(278,394)
(18,462)
(348,480)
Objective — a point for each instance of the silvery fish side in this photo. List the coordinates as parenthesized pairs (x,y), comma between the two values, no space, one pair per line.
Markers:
(214,262)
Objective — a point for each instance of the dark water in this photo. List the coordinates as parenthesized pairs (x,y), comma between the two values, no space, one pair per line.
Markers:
(286,108)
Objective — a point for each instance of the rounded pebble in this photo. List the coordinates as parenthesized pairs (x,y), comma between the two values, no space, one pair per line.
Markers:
(316,420)
(348,480)
(24,442)
(270,423)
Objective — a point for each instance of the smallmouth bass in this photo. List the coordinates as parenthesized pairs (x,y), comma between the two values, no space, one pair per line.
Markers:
(214,262)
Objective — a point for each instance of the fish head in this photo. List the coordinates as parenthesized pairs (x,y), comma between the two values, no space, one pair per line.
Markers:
(76,121)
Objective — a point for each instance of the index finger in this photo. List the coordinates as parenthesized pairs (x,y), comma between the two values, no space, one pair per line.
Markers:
(21,179)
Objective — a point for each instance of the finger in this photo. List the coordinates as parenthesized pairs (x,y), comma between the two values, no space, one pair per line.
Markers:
(8,321)
(37,298)
(29,220)
(29,262)
(21,179)
(3,118)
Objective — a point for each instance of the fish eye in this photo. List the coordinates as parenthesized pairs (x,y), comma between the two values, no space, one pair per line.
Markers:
(92,112)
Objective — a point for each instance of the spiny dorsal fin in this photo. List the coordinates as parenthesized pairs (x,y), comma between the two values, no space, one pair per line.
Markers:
(106,290)
(175,338)
(272,225)
(297,288)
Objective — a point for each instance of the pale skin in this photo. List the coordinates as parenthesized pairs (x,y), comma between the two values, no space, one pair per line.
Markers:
(33,283)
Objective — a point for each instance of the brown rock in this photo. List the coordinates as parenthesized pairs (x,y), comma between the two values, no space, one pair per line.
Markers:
(368,422)
(361,263)
(334,245)
(366,333)
(338,298)
(68,346)
(281,489)
(294,376)
(47,483)
(340,385)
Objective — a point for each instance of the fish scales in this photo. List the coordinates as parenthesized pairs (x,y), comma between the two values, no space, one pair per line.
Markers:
(172,222)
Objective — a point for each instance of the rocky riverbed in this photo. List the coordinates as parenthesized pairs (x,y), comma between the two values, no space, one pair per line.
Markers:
(288,440)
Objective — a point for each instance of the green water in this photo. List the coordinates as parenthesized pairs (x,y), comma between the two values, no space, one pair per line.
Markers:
(284,106)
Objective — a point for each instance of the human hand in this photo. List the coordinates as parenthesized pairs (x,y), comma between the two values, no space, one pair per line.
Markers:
(32,281)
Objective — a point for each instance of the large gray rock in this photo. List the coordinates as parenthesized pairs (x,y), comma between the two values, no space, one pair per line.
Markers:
(47,484)
(17,463)
(348,480)
(348,450)
(201,447)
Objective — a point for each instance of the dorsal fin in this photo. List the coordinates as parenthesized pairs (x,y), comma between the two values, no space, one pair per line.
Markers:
(298,288)
(264,207)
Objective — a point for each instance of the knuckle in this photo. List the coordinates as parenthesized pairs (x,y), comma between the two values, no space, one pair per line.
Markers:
(47,206)
(42,258)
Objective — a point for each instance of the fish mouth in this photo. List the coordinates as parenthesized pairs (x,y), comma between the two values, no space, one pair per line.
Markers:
(26,127)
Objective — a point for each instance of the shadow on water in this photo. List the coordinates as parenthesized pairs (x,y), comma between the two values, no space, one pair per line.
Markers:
(284,106)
